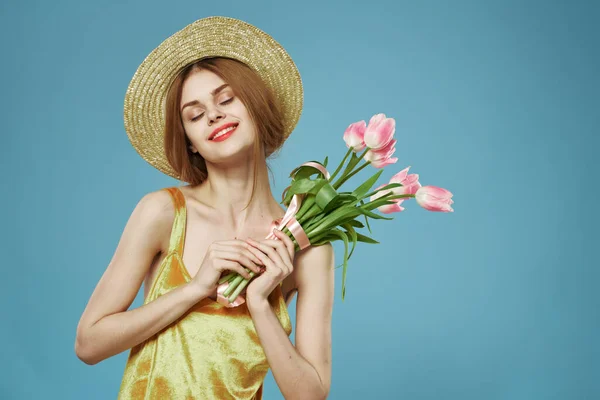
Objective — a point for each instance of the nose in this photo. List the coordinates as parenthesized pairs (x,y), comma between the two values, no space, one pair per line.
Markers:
(214,116)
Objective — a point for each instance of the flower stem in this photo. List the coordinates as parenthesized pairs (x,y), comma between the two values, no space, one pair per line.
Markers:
(230,276)
(243,283)
(306,205)
(232,285)
(345,178)
(350,150)
(349,169)
(309,213)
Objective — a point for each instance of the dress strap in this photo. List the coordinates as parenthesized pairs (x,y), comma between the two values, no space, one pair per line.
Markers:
(178,231)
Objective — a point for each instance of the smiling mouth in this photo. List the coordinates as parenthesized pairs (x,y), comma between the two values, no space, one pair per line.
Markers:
(224,133)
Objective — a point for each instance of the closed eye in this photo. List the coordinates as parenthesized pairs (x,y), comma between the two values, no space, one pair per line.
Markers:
(222,103)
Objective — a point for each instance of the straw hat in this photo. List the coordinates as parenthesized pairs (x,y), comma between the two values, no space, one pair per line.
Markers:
(144,109)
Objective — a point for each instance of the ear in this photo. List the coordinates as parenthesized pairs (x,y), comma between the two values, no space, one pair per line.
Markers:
(193,149)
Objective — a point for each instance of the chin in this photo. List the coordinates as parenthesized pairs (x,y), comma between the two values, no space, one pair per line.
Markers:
(230,149)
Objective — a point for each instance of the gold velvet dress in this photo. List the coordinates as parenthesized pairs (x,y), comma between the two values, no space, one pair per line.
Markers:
(210,352)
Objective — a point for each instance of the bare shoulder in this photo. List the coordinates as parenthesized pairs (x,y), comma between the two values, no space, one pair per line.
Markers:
(157,203)
(311,263)
(156,212)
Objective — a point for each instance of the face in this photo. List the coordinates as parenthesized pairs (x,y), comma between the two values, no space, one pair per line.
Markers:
(208,104)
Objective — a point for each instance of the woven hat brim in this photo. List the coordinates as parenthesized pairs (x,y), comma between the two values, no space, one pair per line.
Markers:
(144,109)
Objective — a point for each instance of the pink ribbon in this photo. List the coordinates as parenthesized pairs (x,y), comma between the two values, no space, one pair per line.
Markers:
(289,220)
(223,300)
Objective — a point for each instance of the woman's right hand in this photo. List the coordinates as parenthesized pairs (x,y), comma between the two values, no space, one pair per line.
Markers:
(224,256)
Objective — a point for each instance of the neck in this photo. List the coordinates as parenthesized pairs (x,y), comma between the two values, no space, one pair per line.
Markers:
(227,191)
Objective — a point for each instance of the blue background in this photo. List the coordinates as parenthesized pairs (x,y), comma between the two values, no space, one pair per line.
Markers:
(495,101)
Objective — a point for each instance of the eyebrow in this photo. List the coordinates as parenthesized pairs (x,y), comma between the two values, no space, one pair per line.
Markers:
(213,93)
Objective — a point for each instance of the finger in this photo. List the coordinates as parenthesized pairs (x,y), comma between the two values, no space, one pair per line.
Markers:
(238,257)
(264,258)
(273,253)
(289,243)
(252,256)
(283,241)
(275,246)
(236,243)
(246,249)
(235,266)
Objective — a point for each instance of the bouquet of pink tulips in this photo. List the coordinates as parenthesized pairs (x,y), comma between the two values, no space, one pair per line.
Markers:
(318,212)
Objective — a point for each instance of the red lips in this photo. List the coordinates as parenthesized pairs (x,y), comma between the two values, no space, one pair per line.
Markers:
(219,129)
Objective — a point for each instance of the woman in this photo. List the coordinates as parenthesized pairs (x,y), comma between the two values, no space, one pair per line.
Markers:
(208,106)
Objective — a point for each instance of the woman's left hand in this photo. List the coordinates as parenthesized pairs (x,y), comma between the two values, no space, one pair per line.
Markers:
(278,258)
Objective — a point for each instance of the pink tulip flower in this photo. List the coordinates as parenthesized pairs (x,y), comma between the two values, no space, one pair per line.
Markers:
(410,182)
(387,208)
(434,198)
(382,157)
(354,136)
(410,185)
(379,132)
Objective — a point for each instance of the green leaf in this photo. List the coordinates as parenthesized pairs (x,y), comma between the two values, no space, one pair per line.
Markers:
(340,200)
(328,237)
(365,239)
(360,191)
(288,194)
(345,263)
(326,197)
(352,233)
(319,183)
(323,239)
(336,217)
(354,159)
(356,223)
(302,186)
(366,219)
(304,171)
(372,214)
(351,164)
(391,186)
(372,205)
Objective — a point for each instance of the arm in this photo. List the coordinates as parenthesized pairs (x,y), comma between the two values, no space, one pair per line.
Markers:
(106,327)
(304,371)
